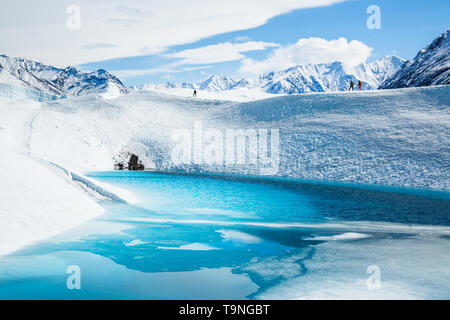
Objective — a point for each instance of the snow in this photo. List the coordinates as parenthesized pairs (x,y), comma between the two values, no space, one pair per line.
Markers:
(38,198)
(238,94)
(415,277)
(37,203)
(217,82)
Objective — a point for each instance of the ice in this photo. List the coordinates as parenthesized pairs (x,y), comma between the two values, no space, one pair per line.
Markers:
(219,212)
(237,236)
(272,268)
(134,243)
(340,237)
(409,269)
(17,91)
(350,226)
(192,247)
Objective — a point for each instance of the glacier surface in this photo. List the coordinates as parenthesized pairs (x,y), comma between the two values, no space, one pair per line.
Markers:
(388,137)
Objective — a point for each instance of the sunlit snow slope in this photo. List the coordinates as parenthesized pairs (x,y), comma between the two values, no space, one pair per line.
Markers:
(36,200)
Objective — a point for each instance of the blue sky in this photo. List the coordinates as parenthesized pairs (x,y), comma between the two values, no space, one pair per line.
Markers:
(406,27)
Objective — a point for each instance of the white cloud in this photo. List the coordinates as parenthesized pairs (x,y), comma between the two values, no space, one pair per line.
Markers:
(221,52)
(201,57)
(311,50)
(38,29)
(196,68)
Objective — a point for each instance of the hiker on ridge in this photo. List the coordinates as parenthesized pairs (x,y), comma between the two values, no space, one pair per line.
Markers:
(352,85)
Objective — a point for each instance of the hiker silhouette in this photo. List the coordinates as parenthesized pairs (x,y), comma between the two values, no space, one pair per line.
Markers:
(352,86)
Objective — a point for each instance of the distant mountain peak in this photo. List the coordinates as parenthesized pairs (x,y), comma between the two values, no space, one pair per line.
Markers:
(217,82)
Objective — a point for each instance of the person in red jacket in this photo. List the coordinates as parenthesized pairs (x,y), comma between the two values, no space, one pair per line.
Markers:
(360,85)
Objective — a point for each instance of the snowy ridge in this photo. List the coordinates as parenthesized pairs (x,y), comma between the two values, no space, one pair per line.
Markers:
(98,190)
(58,82)
(430,67)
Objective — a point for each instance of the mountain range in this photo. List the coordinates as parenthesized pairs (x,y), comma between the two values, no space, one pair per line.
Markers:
(326,77)
(58,82)
(431,66)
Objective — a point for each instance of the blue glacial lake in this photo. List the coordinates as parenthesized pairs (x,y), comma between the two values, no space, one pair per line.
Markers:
(231,237)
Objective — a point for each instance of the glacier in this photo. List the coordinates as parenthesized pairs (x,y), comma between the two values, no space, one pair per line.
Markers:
(387,137)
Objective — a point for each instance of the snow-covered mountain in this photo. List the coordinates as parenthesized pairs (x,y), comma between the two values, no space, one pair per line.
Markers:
(430,67)
(217,82)
(327,77)
(58,82)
